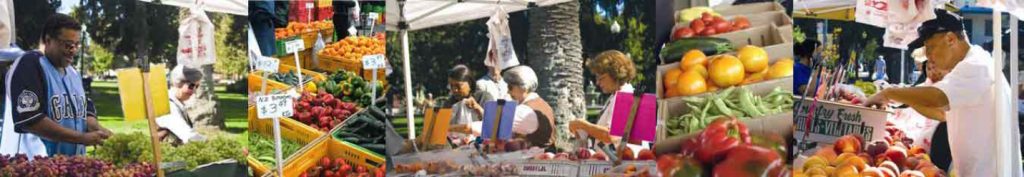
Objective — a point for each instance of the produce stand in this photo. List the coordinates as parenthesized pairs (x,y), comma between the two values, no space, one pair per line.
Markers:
(834,118)
(726,68)
(290,130)
(330,148)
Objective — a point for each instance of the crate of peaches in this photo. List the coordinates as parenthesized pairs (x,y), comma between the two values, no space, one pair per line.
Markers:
(347,54)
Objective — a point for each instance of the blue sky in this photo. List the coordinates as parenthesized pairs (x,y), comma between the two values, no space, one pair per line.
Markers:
(66,5)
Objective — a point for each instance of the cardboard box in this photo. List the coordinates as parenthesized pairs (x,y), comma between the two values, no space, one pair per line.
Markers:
(594,167)
(751,8)
(548,168)
(833,120)
(783,22)
(779,123)
(768,37)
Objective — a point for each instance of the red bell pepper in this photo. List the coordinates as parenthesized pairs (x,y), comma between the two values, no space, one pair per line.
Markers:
(718,138)
(750,160)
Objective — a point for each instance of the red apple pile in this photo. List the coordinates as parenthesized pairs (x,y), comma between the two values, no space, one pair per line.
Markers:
(322,111)
(326,167)
(708,25)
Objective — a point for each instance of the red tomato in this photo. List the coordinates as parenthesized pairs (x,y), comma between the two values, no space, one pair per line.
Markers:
(697,25)
(706,17)
(682,33)
(708,32)
(722,27)
(741,22)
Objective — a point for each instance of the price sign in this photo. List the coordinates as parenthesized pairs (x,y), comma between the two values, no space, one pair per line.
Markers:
(267,64)
(294,46)
(309,5)
(374,61)
(276,105)
(372,15)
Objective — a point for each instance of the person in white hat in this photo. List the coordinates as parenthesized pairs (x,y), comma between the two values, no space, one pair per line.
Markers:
(177,126)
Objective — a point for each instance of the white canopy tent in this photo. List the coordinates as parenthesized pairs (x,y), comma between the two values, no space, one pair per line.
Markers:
(236,7)
(404,16)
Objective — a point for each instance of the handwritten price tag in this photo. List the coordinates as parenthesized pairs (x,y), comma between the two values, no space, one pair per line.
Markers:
(276,105)
(294,46)
(372,16)
(267,64)
(374,62)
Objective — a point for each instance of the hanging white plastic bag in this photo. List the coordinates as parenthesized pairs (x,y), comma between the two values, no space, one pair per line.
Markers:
(196,46)
(904,18)
(317,46)
(900,35)
(906,11)
(354,16)
(872,12)
(500,51)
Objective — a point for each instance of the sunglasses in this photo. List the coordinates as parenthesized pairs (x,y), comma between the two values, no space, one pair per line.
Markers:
(68,44)
(193,86)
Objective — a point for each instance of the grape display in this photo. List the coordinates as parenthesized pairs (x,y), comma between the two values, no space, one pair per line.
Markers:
(74,166)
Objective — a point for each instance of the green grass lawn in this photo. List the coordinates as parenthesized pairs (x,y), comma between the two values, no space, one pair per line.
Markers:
(108,104)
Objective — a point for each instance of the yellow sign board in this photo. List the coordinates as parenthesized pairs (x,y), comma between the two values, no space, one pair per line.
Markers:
(129,85)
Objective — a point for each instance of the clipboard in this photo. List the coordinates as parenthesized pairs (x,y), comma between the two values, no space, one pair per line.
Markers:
(498,117)
(436,123)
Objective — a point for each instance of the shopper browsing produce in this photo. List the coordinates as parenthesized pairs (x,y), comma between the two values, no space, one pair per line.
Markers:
(47,97)
(465,109)
(177,126)
(534,118)
(972,98)
(492,87)
(613,71)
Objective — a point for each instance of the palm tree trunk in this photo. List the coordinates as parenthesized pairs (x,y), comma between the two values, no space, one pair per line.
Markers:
(556,56)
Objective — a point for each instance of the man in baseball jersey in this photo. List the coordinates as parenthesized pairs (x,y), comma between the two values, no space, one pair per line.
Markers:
(46,94)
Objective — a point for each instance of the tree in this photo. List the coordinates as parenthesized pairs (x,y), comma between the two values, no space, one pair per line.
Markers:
(558,61)
(101,59)
(29,18)
(134,29)
(231,57)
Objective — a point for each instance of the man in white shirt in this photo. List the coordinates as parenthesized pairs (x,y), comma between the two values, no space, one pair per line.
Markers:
(973,99)
(491,87)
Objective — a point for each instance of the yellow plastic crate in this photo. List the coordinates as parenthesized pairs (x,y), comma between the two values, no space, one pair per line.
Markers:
(305,58)
(290,130)
(329,147)
(258,169)
(256,81)
(317,77)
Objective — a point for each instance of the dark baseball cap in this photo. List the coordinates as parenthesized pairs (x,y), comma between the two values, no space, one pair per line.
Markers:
(944,21)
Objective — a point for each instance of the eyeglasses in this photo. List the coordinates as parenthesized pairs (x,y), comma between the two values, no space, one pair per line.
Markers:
(69,44)
(599,78)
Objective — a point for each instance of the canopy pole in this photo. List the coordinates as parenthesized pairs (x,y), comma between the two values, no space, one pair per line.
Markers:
(408,84)
(903,67)
(997,49)
(404,32)
(1014,52)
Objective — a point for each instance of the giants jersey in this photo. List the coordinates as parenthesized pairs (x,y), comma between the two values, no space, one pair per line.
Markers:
(39,90)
